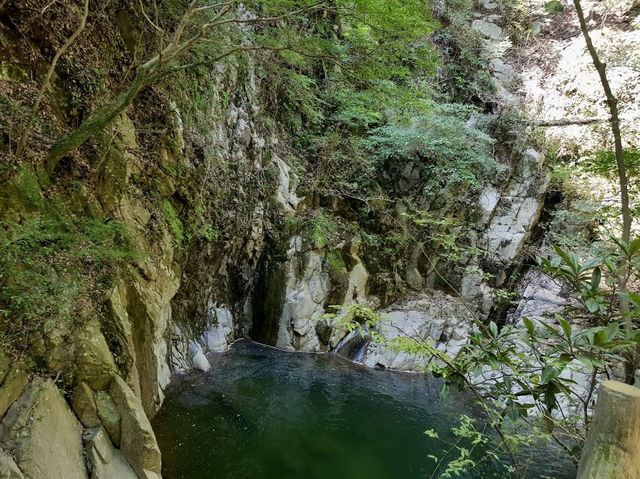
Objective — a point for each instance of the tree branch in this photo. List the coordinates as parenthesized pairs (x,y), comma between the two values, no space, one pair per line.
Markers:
(47,81)
(625,210)
(571,121)
(160,64)
(144,14)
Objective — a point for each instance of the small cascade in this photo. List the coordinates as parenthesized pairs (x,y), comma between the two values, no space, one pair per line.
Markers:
(353,346)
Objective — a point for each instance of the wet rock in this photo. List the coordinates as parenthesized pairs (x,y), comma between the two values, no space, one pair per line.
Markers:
(219,334)
(199,359)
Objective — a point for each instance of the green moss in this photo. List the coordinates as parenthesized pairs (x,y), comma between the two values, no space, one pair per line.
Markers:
(52,263)
(28,189)
(336,262)
(175,225)
(322,230)
(554,6)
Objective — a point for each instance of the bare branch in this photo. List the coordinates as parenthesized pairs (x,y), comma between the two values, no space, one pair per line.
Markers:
(217,5)
(46,6)
(581,121)
(625,211)
(144,13)
(160,65)
(571,121)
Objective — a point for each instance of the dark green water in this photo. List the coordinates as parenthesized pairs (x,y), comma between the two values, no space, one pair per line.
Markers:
(261,413)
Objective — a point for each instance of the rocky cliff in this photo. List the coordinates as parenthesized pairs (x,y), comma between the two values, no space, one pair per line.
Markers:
(215,239)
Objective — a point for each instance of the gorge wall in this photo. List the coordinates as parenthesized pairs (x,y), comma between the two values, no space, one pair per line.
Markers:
(219,235)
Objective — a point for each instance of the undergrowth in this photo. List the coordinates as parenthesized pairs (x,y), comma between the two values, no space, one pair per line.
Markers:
(53,262)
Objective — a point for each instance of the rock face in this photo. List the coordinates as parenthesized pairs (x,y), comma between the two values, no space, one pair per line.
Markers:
(84,405)
(542,296)
(8,467)
(314,280)
(190,352)
(109,415)
(509,211)
(13,379)
(488,29)
(431,316)
(138,442)
(304,300)
(43,435)
(105,461)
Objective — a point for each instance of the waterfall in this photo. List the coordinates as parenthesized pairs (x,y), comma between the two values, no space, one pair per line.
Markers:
(353,346)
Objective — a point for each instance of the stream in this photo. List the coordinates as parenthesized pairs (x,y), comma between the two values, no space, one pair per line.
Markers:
(262,413)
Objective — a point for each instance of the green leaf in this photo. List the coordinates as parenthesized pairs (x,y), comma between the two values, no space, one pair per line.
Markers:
(566,327)
(568,259)
(550,328)
(531,328)
(634,298)
(596,276)
(612,331)
(634,247)
(600,338)
(493,327)
(444,390)
(512,411)
(431,433)
(590,361)
(549,373)
(592,263)
(550,396)
(592,305)
(622,245)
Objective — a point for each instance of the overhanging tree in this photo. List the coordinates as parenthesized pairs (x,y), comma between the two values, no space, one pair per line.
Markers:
(398,22)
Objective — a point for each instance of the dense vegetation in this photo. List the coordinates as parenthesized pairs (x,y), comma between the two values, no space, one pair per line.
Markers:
(350,83)
(387,119)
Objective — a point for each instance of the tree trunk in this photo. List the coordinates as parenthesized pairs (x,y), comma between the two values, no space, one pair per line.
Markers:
(612,102)
(99,119)
(612,449)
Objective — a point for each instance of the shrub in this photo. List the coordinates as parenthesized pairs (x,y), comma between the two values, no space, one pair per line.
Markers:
(449,153)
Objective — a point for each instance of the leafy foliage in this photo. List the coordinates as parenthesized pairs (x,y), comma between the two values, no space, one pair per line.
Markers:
(450,155)
(527,372)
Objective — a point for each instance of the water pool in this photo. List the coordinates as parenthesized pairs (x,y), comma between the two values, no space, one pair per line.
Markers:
(261,413)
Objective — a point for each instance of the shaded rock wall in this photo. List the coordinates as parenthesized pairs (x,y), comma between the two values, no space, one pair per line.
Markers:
(172,306)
